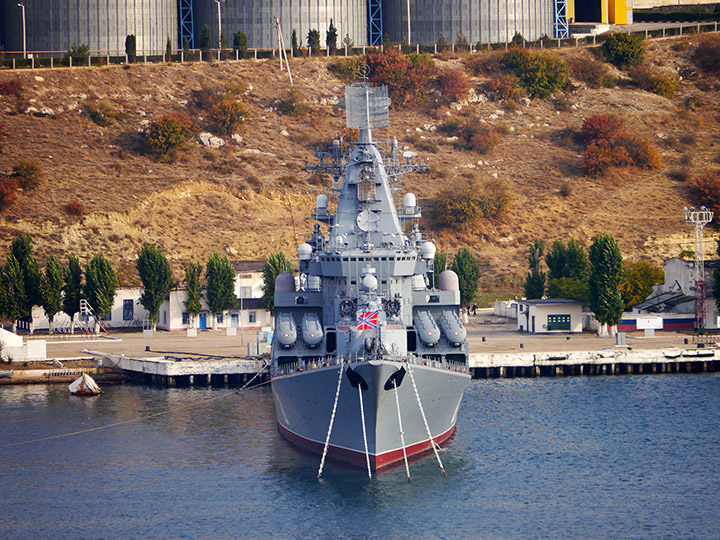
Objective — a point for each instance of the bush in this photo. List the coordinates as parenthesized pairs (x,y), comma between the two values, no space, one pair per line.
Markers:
(540,74)
(228,113)
(28,173)
(8,190)
(406,76)
(461,42)
(662,83)
(505,86)
(75,208)
(78,53)
(642,152)
(13,87)
(706,190)
(464,203)
(347,69)
(589,70)
(102,113)
(622,49)
(707,54)
(165,135)
(600,157)
(601,128)
(453,83)
(293,104)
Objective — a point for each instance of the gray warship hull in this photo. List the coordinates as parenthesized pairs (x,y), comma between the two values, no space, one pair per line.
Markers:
(304,404)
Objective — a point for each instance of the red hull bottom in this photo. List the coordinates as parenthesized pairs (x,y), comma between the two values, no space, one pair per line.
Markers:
(356,458)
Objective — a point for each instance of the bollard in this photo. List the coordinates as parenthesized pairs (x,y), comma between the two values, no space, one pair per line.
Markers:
(522,345)
(483,339)
(32,63)
(51,63)
(89,60)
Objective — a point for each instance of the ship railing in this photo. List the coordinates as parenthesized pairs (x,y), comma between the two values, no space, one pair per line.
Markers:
(309,365)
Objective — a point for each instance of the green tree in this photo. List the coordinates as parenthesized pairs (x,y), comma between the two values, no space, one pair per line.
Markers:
(468,271)
(131,48)
(168,50)
(72,289)
(535,280)
(156,276)
(605,276)
(193,301)
(576,261)
(51,289)
(555,259)
(100,285)
(12,291)
(223,41)
(568,269)
(295,44)
(313,41)
(569,288)
(240,43)
(331,37)
(220,285)
(439,266)
(638,279)
(205,40)
(276,264)
(21,249)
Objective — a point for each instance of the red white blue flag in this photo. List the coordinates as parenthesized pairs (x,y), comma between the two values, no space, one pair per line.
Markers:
(367,320)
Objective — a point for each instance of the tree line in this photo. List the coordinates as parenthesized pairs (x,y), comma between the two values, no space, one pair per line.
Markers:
(598,278)
(61,287)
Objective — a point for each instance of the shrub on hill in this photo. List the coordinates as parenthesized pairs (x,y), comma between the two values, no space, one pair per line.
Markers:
(228,113)
(12,87)
(601,128)
(707,54)
(103,113)
(623,49)
(706,190)
(8,190)
(28,173)
(75,208)
(660,82)
(406,76)
(453,83)
(347,69)
(465,202)
(293,104)
(540,74)
(589,70)
(165,135)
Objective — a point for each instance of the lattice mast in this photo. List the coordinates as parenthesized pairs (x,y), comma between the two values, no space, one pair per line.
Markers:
(699,218)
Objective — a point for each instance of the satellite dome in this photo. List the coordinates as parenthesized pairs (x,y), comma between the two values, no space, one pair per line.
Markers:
(321,201)
(370,282)
(304,251)
(428,250)
(410,201)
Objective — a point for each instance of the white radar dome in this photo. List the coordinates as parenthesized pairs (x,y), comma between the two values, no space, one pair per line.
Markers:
(370,282)
(304,251)
(448,281)
(321,201)
(428,250)
(410,200)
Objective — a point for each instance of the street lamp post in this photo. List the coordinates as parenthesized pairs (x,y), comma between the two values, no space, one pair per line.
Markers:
(219,24)
(22,6)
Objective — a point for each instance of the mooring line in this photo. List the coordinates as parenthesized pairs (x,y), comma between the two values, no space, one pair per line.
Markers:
(139,418)
(362,418)
(332,420)
(402,434)
(427,427)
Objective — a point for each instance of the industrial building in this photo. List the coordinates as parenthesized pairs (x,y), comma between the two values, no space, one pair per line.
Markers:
(101,24)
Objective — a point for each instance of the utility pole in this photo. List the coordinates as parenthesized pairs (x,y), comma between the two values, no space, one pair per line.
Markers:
(219,24)
(408,17)
(22,6)
(699,218)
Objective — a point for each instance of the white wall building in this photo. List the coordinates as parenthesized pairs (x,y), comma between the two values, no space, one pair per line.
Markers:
(549,315)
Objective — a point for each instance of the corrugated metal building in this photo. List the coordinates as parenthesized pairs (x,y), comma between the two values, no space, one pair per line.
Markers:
(256,19)
(101,24)
(484,21)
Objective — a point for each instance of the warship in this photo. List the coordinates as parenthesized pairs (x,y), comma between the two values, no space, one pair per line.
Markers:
(369,358)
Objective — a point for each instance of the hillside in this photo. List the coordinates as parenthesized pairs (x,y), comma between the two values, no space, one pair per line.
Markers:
(250,198)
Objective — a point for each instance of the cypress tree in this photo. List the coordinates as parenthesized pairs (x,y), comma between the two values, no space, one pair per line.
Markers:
(51,289)
(276,264)
(193,302)
(468,272)
(72,288)
(220,284)
(100,285)
(605,277)
(156,276)
(535,280)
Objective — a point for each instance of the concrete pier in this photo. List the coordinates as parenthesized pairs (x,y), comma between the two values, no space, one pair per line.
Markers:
(606,362)
(186,372)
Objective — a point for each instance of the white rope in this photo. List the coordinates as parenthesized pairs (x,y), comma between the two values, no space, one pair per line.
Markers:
(332,419)
(362,417)
(402,434)
(427,428)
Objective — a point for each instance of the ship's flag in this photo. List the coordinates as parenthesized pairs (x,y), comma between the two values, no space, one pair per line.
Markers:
(367,320)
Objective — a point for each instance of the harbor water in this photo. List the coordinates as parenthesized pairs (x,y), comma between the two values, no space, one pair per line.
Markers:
(632,457)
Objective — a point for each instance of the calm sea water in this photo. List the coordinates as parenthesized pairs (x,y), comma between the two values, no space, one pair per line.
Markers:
(632,457)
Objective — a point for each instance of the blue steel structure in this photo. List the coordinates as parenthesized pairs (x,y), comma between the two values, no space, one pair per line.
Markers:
(186,27)
(375,22)
(561,28)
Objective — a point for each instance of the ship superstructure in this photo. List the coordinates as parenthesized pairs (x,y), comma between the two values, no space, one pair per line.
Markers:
(369,360)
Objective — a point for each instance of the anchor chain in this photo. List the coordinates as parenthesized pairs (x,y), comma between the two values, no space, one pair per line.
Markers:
(332,420)
(402,433)
(362,418)
(427,428)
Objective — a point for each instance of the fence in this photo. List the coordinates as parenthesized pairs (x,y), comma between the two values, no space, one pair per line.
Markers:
(56,59)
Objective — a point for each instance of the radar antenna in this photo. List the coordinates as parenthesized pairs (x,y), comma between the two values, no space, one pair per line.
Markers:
(699,218)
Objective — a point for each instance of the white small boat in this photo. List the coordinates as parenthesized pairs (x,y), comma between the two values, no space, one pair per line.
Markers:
(85,385)
(6,374)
